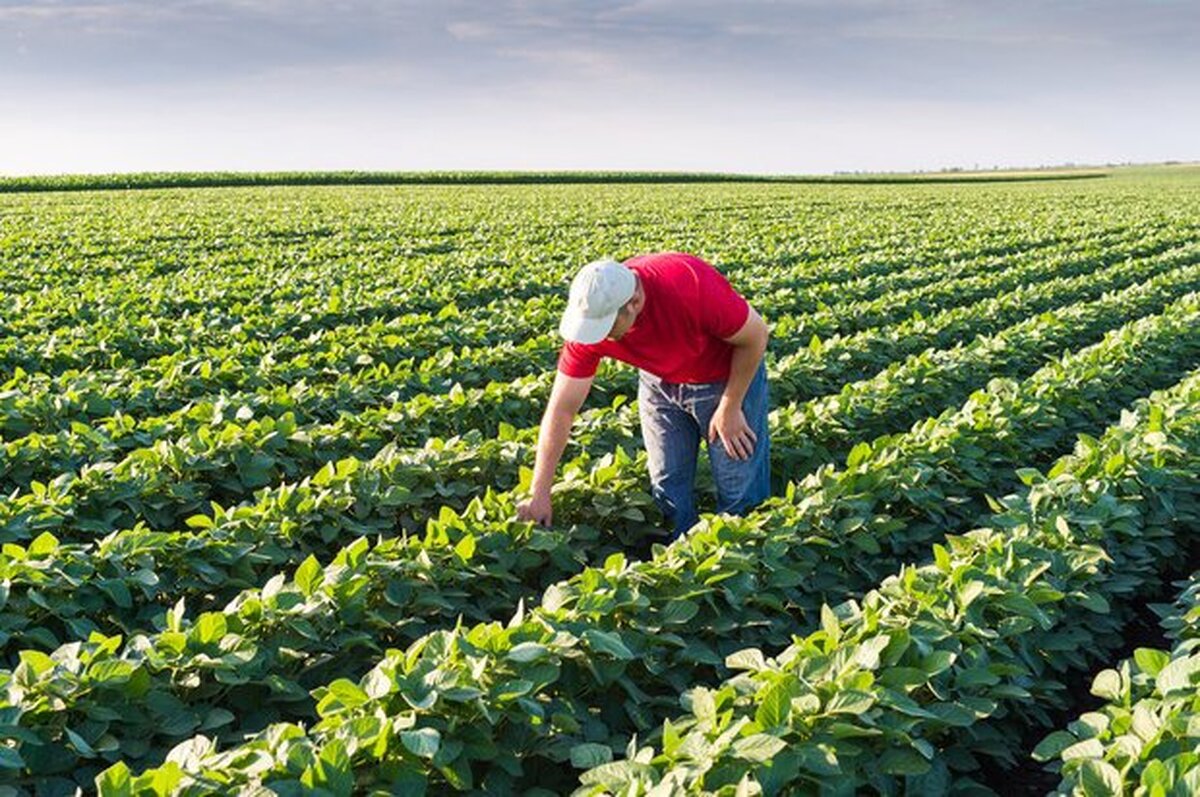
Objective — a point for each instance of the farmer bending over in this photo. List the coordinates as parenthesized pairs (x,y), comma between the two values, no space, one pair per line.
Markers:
(699,349)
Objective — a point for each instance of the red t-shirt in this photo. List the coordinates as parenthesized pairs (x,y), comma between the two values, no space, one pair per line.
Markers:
(678,334)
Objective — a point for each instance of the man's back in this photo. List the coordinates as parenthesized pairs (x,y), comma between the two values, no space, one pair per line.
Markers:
(677,337)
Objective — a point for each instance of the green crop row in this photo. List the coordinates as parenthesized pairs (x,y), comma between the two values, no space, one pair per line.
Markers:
(1143,740)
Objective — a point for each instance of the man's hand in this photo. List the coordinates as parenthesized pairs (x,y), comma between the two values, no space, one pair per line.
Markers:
(538,509)
(566,397)
(729,424)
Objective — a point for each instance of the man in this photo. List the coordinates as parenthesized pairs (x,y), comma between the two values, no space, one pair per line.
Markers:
(699,348)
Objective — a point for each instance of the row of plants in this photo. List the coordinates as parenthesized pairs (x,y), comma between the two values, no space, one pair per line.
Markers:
(1144,739)
(607,650)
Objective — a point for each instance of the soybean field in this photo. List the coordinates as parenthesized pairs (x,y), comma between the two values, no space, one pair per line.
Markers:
(261,448)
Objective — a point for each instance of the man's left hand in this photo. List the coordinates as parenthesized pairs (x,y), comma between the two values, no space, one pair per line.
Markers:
(729,424)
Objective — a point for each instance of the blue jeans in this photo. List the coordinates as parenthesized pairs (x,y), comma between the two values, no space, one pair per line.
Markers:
(675,418)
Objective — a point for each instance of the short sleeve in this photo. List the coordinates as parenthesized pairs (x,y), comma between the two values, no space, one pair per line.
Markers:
(578,360)
(722,309)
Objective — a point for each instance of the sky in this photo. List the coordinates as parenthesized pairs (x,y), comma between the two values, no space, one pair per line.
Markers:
(770,86)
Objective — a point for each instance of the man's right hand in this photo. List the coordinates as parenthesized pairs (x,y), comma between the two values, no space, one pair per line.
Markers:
(538,509)
(566,397)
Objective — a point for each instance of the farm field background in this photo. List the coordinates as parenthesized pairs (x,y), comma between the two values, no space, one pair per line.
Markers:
(262,448)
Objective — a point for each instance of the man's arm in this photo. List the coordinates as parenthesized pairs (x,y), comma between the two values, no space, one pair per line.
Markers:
(566,397)
(729,422)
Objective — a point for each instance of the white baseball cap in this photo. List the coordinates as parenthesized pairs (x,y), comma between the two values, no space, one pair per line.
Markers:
(597,293)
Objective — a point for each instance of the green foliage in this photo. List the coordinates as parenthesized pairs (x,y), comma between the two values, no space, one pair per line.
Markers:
(260,450)
(1143,739)
(531,689)
(906,685)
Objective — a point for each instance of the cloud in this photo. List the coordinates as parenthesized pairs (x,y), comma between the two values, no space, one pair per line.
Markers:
(725,77)
(847,44)
(471,31)
(574,61)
